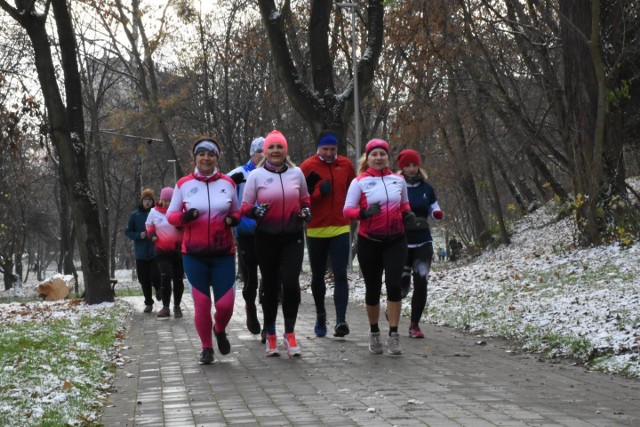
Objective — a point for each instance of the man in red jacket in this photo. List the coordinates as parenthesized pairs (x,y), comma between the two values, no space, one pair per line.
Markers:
(328,176)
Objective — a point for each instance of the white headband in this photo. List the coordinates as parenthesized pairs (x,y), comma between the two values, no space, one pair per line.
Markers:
(206,146)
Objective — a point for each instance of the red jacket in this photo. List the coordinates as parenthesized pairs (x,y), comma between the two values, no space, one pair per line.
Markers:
(327,210)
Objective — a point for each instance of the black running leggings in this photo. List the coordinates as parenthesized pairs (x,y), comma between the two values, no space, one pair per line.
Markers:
(377,257)
(280,260)
(171,271)
(248,265)
(419,261)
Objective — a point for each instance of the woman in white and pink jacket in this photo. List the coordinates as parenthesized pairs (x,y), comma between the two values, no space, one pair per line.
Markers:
(276,195)
(167,240)
(205,204)
(378,199)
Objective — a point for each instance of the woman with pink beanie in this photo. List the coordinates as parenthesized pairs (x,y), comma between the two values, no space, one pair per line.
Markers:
(276,196)
(378,199)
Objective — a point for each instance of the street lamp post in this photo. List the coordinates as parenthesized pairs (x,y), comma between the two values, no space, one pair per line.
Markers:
(175,173)
(354,58)
(356,99)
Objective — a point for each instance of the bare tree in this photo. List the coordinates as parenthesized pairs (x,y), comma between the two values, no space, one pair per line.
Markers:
(318,101)
(590,78)
(136,61)
(67,132)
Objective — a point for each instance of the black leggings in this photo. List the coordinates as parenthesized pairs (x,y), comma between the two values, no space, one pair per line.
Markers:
(337,248)
(376,257)
(170,266)
(149,278)
(418,265)
(280,260)
(248,265)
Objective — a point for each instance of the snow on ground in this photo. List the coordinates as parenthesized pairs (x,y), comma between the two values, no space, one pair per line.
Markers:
(51,372)
(550,297)
(539,290)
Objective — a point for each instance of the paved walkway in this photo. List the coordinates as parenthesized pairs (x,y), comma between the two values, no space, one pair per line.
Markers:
(447,379)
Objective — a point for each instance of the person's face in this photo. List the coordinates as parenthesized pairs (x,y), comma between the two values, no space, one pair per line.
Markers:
(410,170)
(328,153)
(275,154)
(257,157)
(206,162)
(378,159)
(164,203)
(147,202)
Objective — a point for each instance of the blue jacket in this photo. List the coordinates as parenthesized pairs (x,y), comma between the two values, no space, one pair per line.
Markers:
(423,201)
(247,226)
(143,247)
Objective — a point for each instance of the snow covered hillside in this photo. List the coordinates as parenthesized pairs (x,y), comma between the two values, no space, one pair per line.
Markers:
(552,298)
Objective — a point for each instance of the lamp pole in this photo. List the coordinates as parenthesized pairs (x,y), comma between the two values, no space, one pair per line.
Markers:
(175,173)
(354,59)
(356,100)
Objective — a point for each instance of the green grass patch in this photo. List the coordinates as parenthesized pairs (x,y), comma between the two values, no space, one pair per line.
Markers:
(128,292)
(55,362)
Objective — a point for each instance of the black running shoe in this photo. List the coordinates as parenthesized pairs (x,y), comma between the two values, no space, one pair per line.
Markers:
(223,342)
(253,324)
(341,330)
(206,357)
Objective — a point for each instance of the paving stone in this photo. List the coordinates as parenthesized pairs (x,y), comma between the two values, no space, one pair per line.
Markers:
(443,380)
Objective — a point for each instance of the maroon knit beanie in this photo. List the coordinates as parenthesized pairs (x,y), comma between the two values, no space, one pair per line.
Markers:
(406,157)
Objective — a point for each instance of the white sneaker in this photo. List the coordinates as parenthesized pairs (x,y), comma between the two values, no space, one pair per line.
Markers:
(272,346)
(292,345)
(375,344)
(393,343)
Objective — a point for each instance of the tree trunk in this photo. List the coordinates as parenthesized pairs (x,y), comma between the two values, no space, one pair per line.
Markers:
(320,106)
(497,205)
(587,105)
(67,134)
(467,180)
(40,263)
(7,270)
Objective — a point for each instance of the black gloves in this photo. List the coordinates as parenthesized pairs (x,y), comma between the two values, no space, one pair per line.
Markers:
(260,211)
(189,215)
(305,213)
(409,219)
(231,221)
(312,179)
(238,178)
(421,224)
(325,187)
(370,211)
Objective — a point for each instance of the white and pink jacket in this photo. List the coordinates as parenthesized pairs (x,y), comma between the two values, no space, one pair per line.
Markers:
(169,238)
(286,194)
(384,187)
(215,198)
